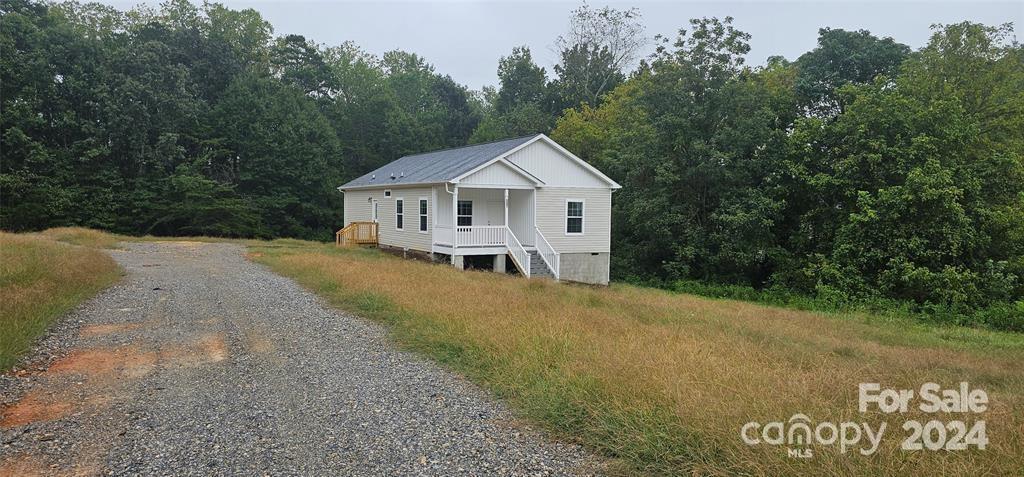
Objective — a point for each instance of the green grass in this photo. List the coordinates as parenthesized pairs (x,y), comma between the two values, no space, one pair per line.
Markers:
(41,278)
(1001,316)
(661,382)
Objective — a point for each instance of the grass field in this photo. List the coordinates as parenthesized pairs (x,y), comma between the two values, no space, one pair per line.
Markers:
(660,382)
(42,277)
(663,382)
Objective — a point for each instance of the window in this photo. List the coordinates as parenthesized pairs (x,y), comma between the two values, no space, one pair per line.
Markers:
(423,214)
(464,213)
(387,192)
(399,214)
(574,217)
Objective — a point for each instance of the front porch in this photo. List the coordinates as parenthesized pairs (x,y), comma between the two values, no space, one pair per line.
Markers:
(479,217)
(491,221)
(474,240)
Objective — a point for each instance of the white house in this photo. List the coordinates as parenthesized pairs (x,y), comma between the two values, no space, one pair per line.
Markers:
(525,198)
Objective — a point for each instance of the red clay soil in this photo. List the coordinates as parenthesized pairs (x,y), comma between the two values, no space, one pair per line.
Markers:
(33,407)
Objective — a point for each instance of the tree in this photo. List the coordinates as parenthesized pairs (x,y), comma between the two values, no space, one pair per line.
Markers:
(861,171)
(520,105)
(844,57)
(524,120)
(287,173)
(522,81)
(300,63)
(693,142)
(584,74)
(908,191)
(596,52)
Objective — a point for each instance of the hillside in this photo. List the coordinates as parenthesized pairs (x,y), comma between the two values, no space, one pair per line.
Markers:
(664,382)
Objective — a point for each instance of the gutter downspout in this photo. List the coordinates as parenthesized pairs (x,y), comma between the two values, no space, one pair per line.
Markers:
(455,218)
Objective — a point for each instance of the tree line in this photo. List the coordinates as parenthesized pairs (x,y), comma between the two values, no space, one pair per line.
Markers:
(862,170)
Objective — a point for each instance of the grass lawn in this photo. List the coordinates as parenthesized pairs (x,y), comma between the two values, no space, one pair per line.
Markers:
(663,382)
(42,278)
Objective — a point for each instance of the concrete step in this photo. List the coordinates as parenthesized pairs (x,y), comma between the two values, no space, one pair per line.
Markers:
(537,266)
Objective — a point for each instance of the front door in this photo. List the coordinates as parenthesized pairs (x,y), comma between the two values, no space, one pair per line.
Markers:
(495,212)
(373,210)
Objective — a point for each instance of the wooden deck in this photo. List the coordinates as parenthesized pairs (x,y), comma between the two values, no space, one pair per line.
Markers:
(357,233)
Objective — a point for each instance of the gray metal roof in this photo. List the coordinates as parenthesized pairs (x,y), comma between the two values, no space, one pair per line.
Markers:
(436,166)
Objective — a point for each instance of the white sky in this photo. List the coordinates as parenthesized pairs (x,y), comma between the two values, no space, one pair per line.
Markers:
(465,39)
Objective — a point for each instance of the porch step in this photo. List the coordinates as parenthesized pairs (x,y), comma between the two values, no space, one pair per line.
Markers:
(537,266)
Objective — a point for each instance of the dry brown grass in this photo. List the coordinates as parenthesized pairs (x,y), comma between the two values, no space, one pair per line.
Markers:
(82,236)
(663,382)
(41,278)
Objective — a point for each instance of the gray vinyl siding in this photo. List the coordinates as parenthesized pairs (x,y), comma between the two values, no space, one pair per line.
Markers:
(597,208)
(357,208)
(357,205)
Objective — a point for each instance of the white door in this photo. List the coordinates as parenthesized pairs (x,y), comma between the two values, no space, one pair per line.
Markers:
(373,210)
(495,212)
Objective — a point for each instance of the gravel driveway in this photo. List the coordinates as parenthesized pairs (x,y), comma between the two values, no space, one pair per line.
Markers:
(202,363)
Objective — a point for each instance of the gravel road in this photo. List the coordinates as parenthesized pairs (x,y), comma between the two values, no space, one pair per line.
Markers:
(202,363)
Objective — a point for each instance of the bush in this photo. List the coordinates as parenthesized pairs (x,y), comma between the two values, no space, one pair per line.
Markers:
(825,298)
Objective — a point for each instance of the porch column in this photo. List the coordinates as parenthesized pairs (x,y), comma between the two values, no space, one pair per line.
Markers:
(455,220)
(506,208)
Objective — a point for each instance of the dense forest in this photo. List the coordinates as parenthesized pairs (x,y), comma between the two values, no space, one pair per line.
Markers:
(861,171)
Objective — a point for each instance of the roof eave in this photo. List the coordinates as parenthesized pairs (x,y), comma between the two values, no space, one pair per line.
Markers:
(385,186)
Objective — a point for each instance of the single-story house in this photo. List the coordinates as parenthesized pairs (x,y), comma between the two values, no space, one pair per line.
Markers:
(527,198)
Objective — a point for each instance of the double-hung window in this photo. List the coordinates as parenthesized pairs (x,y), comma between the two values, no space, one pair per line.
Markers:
(464,213)
(573,217)
(399,214)
(423,214)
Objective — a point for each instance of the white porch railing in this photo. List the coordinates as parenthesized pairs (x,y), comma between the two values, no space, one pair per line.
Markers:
(490,236)
(548,254)
(480,236)
(518,253)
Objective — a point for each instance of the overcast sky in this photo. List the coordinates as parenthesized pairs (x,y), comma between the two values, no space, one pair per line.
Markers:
(465,39)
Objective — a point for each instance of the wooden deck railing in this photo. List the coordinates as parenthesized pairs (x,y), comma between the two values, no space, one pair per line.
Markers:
(357,233)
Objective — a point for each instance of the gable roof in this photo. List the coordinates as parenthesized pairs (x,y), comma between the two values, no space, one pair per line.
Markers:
(436,166)
(451,165)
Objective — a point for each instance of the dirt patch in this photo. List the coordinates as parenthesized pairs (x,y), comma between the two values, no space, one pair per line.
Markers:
(213,347)
(99,330)
(25,465)
(33,407)
(22,465)
(209,348)
(128,360)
